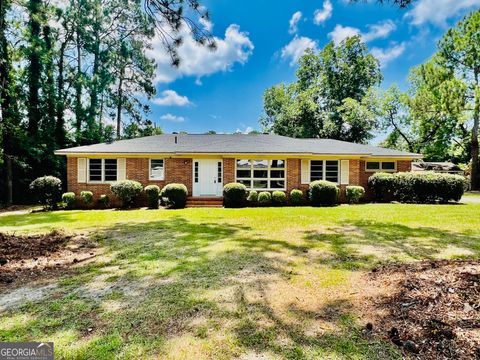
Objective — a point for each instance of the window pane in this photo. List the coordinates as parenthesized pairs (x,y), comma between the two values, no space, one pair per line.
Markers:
(244,173)
(278,164)
(260,184)
(196,172)
(262,174)
(156,169)
(388,165)
(95,169)
(247,183)
(110,169)
(260,163)
(331,170)
(316,170)
(277,174)
(243,164)
(219,172)
(373,165)
(277,184)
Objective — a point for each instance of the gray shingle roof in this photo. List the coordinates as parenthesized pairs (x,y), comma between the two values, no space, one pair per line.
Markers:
(231,144)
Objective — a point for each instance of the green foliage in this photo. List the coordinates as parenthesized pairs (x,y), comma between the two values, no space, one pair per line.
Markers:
(354,194)
(104,200)
(234,195)
(174,195)
(296,197)
(153,196)
(87,197)
(127,191)
(279,198)
(264,198)
(381,185)
(47,190)
(69,199)
(252,198)
(419,188)
(342,77)
(323,193)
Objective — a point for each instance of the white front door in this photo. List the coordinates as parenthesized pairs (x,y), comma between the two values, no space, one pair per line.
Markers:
(207,177)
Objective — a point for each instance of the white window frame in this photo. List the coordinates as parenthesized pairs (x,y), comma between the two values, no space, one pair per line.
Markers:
(380,162)
(150,170)
(324,170)
(103,171)
(268,178)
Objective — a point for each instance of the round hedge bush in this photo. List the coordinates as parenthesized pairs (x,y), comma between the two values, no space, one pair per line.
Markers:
(252,198)
(104,200)
(296,197)
(234,195)
(323,193)
(354,194)
(87,197)
(174,195)
(279,198)
(153,195)
(69,199)
(47,190)
(127,191)
(264,198)
(381,185)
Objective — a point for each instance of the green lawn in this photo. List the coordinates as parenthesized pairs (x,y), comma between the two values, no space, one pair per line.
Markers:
(230,283)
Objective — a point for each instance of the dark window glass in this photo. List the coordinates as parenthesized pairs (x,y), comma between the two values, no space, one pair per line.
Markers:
(388,165)
(196,171)
(278,164)
(316,170)
(244,173)
(247,183)
(277,184)
(373,165)
(261,174)
(260,184)
(110,169)
(277,174)
(157,169)
(219,175)
(95,169)
(331,170)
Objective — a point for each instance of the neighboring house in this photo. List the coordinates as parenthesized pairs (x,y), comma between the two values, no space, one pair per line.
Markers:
(442,167)
(204,163)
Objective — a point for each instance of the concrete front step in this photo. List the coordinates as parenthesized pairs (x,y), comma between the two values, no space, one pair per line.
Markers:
(205,202)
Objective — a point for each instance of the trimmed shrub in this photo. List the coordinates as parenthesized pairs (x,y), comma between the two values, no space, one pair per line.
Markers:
(104,200)
(354,194)
(382,186)
(153,195)
(419,188)
(174,196)
(47,191)
(234,195)
(296,197)
(69,199)
(323,193)
(264,198)
(279,198)
(127,191)
(87,197)
(252,198)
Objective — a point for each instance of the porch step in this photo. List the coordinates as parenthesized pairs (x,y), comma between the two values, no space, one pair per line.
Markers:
(209,202)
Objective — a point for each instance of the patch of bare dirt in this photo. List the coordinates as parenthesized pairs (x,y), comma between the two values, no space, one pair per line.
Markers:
(431,309)
(35,257)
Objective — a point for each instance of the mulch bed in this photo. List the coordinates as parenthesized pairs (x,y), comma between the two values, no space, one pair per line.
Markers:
(430,310)
(28,258)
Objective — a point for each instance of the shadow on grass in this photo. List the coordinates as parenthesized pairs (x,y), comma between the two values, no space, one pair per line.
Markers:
(174,279)
(360,244)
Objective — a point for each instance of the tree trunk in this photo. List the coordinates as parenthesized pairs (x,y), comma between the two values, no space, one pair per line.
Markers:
(8,179)
(60,135)
(474,147)
(34,67)
(78,82)
(120,101)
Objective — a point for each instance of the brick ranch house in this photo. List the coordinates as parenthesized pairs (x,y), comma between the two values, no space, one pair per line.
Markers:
(204,163)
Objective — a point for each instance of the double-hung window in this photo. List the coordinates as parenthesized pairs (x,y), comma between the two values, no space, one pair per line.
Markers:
(324,170)
(102,170)
(380,166)
(261,174)
(157,169)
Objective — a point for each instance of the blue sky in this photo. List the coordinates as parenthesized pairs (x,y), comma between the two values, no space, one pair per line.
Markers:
(259,42)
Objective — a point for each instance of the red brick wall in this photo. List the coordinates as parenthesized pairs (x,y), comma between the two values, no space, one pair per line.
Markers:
(228,170)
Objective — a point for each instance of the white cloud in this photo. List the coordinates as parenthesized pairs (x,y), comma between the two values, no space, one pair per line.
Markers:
(295,48)
(207,24)
(172,118)
(380,30)
(389,54)
(323,14)
(438,11)
(340,33)
(197,60)
(171,98)
(296,17)
(247,130)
